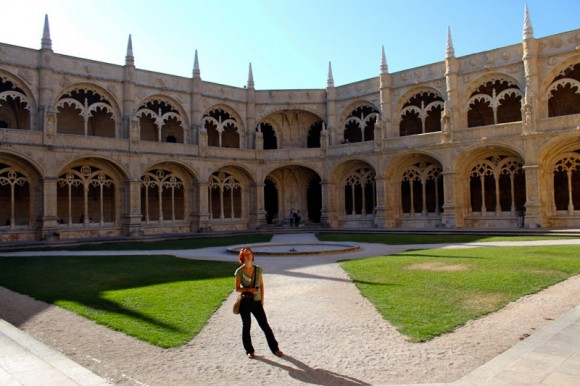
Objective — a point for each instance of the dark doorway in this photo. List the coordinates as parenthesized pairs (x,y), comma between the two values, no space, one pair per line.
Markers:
(314,199)
(270,201)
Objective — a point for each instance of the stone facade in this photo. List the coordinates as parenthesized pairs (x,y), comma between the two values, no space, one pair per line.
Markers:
(90,149)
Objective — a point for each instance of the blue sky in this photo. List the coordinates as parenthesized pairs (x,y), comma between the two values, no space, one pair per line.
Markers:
(288,42)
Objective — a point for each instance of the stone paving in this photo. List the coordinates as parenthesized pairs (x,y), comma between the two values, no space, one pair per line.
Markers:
(551,356)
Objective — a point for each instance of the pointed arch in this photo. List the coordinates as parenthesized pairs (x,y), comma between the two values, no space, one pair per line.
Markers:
(88,110)
(16,105)
(497,100)
(161,119)
(563,94)
(359,124)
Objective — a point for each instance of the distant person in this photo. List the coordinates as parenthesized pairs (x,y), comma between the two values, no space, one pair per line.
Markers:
(250,283)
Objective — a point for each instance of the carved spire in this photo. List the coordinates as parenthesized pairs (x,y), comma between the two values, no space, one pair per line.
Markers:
(250,78)
(46,42)
(449,51)
(528,32)
(129,58)
(330,80)
(196,71)
(384,67)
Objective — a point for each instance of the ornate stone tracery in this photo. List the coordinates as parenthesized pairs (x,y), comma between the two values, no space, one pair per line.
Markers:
(82,183)
(421,114)
(222,129)
(160,121)
(360,123)
(496,101)
(166,188)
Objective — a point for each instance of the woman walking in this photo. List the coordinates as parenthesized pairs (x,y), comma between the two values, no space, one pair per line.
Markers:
(250,283)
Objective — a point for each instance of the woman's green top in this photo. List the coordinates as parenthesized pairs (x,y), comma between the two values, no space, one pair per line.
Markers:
(248,281)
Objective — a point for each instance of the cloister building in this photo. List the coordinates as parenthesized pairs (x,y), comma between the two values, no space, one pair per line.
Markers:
(90,149)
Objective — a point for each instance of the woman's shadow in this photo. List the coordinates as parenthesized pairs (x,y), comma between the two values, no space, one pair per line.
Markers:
(304,373)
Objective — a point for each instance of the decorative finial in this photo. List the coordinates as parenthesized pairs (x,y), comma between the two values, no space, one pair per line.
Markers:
(196,71)
(129,58)
(330,80)
(384,67)
(250,78)
(449,51)
(528,32)
(46,42)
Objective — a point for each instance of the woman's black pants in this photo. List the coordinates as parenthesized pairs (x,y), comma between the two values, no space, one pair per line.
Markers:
(255,307)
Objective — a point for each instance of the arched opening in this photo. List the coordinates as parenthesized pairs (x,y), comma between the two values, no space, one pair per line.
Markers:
(314,134)
(85,112)
(564,92)
(314,199)
(421,114)
(222,129)
(496,101)
(298,192)
(86,195)
(566,177)
(359,126)
(160,121)
(269,135)
(14,106)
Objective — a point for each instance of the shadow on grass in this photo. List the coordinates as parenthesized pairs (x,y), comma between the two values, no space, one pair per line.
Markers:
(88,281)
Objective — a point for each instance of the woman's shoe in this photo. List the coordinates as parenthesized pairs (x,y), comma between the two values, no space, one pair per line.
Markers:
(279,353)
(251,356)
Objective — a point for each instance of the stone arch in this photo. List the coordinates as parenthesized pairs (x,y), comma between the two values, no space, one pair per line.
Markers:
(493,99)
(475,83)
(231,197)
(560,180)
(168,193)
(563,93)
(420,111)
(90,193)
(17,104)
(87,109)
(162,119)
(355,198)
(20,192)
(297,195)
(269,110)
(415,182)
(558,70)
(290,128)
(358,122)
(224,127)
(492,181)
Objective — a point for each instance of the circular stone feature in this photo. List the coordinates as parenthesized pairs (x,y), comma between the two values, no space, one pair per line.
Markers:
(282,249)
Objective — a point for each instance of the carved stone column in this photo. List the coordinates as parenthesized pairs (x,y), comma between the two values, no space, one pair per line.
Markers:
(452,218)
(380,207)
(534,218)
(201,221)
(131,216)
(47,222)
(324,211)
(260,211)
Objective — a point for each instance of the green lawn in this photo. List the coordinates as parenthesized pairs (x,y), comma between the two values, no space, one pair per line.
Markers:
(409,238)
(425,293)
(160,299)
